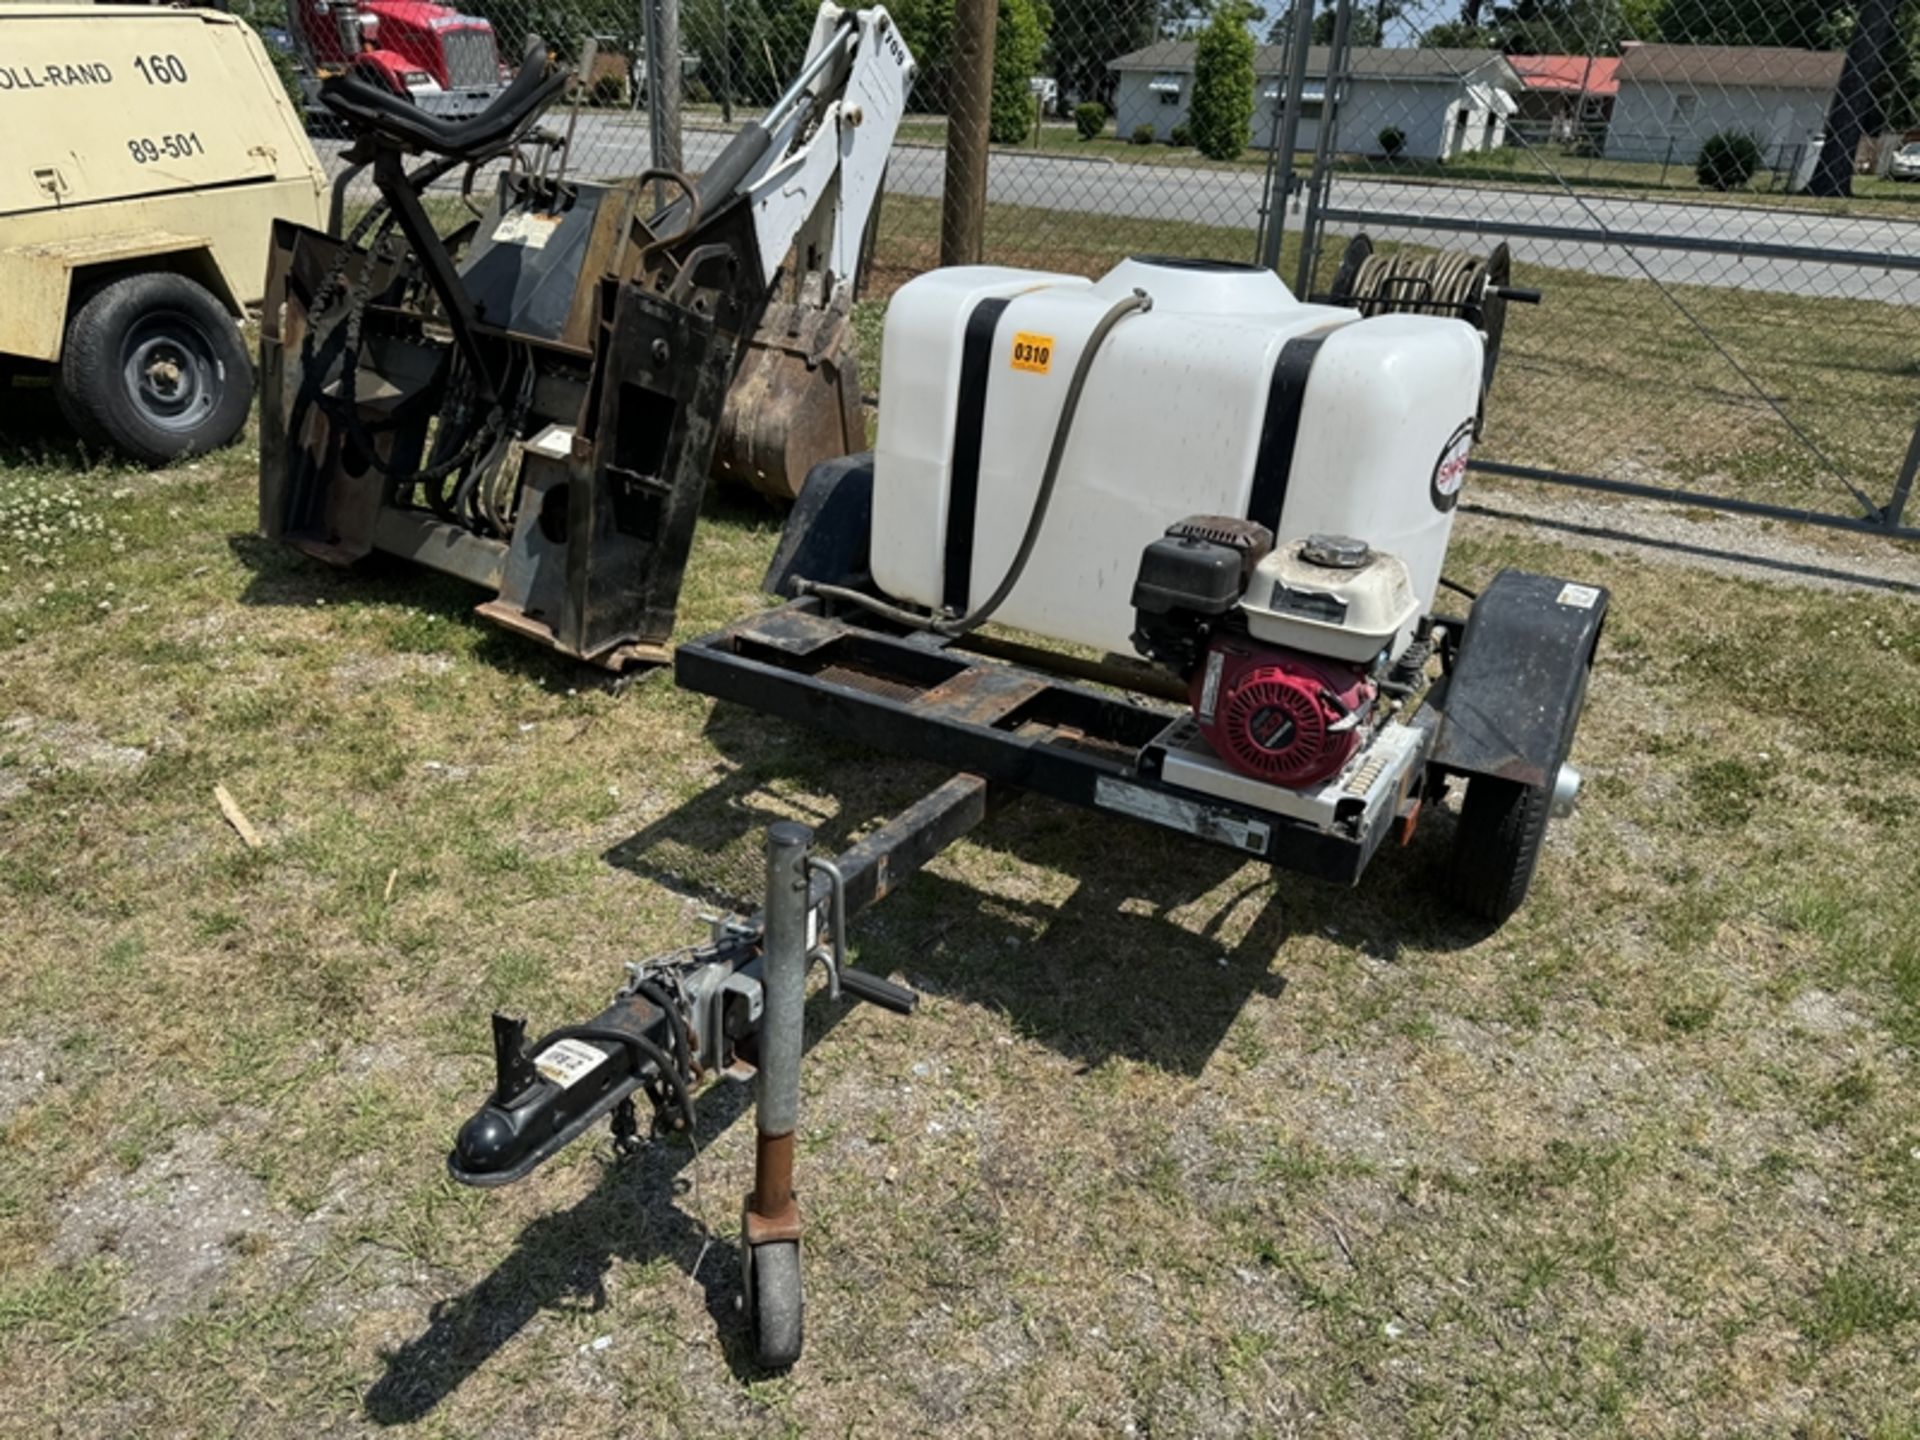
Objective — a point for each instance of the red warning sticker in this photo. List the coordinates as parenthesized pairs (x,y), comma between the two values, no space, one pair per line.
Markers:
(1450,470)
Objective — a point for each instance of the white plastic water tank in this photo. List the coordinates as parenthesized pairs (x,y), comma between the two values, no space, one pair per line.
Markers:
(1228,397)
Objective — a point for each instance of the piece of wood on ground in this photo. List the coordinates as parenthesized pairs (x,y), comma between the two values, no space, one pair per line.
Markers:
(237,817)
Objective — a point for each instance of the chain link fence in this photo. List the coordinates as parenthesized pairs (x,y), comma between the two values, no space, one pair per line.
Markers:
(1708,194)
(1717,321)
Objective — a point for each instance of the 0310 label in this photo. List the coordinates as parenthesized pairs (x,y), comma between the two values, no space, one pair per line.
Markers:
(1032,352)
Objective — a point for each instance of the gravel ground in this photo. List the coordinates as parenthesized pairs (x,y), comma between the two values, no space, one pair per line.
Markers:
(1739,545)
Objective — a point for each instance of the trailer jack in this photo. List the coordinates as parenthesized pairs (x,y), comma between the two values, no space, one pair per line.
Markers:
(732,1009)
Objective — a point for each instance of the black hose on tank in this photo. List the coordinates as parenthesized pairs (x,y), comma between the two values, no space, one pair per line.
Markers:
(1139,302)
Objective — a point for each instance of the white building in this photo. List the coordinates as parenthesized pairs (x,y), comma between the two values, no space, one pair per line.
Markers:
(1673,97)
(1443,102)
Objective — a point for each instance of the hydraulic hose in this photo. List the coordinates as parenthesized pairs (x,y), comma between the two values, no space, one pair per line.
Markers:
(1139,302)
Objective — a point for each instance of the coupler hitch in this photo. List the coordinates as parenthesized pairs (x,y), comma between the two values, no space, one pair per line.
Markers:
(732,1008)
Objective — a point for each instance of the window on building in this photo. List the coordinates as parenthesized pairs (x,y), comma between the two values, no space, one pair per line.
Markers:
(1683,106)
(1313,97)
(1167,87)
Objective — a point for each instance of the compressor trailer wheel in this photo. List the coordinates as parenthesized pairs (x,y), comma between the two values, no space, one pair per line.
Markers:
(153,366)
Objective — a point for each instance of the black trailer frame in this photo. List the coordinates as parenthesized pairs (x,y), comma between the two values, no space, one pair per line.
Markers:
(922,695)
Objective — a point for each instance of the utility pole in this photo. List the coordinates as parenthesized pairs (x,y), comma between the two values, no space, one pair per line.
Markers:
(1853,103)
(963,206)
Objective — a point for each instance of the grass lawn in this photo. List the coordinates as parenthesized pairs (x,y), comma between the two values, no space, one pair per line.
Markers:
(1175,1146)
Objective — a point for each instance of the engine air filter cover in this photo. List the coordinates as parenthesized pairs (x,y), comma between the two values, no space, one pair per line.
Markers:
(1330,595)
(1281,717)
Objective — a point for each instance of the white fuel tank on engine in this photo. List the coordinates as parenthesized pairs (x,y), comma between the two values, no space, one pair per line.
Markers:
(1228,397)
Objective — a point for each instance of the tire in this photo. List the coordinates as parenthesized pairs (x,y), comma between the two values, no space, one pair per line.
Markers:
(1496,846)
(154,367)
(775,1304)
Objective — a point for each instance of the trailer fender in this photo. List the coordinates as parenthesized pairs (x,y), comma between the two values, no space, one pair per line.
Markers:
(42,281)
(827,531)
(1511,703)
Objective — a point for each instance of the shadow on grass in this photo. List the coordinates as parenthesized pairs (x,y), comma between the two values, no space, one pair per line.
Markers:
(1150,956)
(561,1262)
(283,575)
(37,436)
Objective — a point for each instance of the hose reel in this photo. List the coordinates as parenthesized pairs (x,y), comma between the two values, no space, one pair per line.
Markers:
(1406,281)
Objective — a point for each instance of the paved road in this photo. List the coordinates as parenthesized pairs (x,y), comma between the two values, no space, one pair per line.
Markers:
(607,146)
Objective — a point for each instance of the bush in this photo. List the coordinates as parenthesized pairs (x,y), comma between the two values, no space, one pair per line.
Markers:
(608,89)
(1090,119)
(261,15)
(1142,135)
(1223,83)
(1018,39)
(1392,141)
(1182,136)
(1727,161)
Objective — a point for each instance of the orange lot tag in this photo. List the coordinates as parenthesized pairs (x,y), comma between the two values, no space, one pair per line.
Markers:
(1032,352)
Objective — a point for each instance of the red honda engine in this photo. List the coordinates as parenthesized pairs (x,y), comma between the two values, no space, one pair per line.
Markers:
(1278,715)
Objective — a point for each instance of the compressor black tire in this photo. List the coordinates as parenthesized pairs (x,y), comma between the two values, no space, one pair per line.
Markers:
(774,1301)
(154,367)
(1496,846)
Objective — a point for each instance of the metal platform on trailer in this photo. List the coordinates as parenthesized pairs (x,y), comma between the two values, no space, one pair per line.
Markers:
(921,695)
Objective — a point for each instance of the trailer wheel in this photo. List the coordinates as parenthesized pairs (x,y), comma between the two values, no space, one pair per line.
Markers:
(775,1304)
(154,366)
(1496,845)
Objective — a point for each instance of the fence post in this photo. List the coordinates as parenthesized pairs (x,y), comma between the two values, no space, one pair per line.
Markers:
(1311,225)
(1289,132)
(1903,487)
(662,19)
(963,205)
(726,62)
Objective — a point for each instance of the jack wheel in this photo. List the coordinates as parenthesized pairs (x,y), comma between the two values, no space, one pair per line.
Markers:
(1496,845)
(774,1303)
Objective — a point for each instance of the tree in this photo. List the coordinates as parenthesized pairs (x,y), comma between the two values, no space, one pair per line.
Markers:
(1222,110)
(1019,38)
(1854,107)
(1898,94)
(1809,24)
(1363,25)
(1455,35)
(1547,27)
(1089,33)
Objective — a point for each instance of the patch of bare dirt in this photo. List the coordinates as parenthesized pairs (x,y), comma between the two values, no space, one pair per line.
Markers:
(27,1068)
(1744,546)
(370,672)
(176,1225)
(42,747)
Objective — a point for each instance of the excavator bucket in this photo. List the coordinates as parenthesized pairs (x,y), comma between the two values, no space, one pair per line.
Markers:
(794,402)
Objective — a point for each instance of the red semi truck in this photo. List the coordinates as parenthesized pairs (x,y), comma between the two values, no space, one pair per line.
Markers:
(443,61)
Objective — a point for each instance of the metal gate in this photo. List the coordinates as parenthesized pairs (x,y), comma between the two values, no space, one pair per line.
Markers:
(1747,348)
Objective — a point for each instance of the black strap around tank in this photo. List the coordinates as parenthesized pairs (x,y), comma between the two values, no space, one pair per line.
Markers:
(1273,462)
(963,479)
